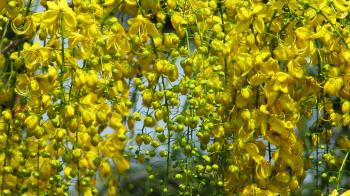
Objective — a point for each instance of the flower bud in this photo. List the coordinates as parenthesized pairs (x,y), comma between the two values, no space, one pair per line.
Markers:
(345,107)
(7,115)
(68,111)
(245,114)
(31,122)
(88,117)
(105,169)
(46,100)
(60,134)
(77,153)
(171,4)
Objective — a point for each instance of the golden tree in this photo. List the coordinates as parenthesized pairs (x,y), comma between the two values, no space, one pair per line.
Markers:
(247,97)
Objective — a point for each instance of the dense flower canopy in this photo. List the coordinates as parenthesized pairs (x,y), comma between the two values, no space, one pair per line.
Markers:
(248,97)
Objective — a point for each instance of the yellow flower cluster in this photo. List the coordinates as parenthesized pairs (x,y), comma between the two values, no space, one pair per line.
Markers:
(221,92)
(62,88)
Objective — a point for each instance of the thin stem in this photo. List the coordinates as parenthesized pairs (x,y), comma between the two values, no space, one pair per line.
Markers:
(320,78)
(317,154)
(77,143)
(269,148)
(254,135)
(62,77)
(147,112)
(62,64)
(78,167)
(38,165)
(341,169)
(188,42)
(28,7)
(154,48)
(168,145)
(141,9)
(270,23)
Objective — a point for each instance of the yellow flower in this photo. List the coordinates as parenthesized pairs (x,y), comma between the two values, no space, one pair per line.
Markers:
(7,115)
(280,133)
(46,101)
(129,6)
(346,193)
(302,33)
(253,151)
(34,85)
(55,11)
(171,4)
(259,25)
(294,183)
(88,192)
(333,85)
(34,55)
(29,26)
(76,38)
(117,39)
(45,166)
(219,131)
(60,134)
(140,25)
(31,121)
(334,193)
(67,171)
(92,78)
(178,22)
(341,5)
(105,169)
(10,180)
(122,164)
(68,111)
(280,53)
(343,142)
(147,97)
(258,79)
(83,163)
(88,117)
(263,170)
(254,190)
(283,177)
(295,69)
(115,121)
(243,14)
